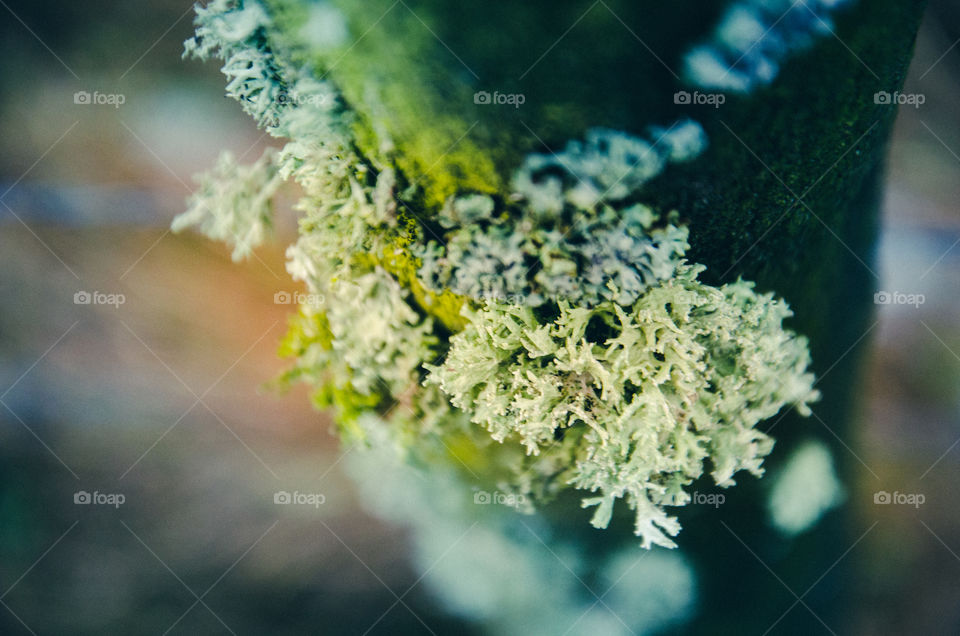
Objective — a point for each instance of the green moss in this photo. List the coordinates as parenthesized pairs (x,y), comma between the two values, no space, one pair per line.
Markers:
(400,102)
(444,306)
(405,77)
(305,329)
(308,332)
(287,17)
(347,403)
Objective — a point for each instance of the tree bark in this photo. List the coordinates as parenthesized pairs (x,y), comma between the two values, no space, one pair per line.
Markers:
(786,195)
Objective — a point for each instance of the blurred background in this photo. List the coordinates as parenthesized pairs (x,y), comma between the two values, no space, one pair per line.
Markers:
(153,392)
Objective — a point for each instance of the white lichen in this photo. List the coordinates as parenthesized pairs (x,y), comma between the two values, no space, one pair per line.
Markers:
(753,39)
(804,489)
(644,395)
(607,166)
(591,356)
(234,203)
(568,233)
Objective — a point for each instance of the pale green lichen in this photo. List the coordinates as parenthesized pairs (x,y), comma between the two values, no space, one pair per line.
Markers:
(375,338)
(805,488)
(609,165)
(234,203)
(583,258)
(645,395)
(566,234)
(364,350)
(583,352)
(377,334)
(236,33)
(753,38)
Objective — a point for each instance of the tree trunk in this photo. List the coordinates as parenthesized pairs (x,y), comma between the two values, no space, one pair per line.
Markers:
(786,195)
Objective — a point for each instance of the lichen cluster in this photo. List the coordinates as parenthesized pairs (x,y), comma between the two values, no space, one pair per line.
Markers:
(234,203)
(567,233)
(545,337)
(752,40)
(640,397)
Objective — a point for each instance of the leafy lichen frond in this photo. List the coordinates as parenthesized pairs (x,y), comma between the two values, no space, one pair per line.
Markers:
(569,235)
(234,203)
(645,395)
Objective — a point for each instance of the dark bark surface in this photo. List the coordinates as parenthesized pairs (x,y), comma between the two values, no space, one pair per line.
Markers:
(787,195)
